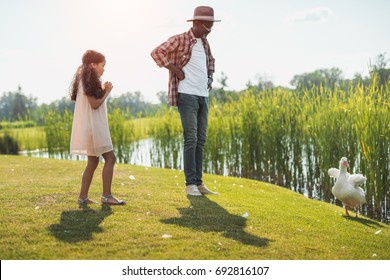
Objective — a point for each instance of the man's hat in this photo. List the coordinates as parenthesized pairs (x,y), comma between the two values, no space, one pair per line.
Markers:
(204,13)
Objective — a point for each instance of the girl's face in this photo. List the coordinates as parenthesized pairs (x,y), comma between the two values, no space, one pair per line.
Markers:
(99,68)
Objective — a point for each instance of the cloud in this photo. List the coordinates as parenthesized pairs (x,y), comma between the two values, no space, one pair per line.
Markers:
(318,14)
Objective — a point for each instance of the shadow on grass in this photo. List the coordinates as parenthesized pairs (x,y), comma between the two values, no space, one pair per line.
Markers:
(207,216)
(366,222)
(79,225)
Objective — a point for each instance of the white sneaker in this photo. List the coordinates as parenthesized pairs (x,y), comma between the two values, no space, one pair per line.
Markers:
(193,190)
(204,190)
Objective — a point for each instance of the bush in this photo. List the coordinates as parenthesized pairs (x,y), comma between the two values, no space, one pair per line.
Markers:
(8,145)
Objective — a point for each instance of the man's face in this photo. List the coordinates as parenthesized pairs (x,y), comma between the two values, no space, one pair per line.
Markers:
(203,27)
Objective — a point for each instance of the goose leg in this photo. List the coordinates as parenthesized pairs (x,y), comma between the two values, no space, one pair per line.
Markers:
(346,211)
(357,212)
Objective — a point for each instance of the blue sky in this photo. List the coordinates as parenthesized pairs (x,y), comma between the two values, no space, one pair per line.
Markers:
(42,41)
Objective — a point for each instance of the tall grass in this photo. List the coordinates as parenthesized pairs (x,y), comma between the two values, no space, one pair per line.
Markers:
(122,135)
(292,138)
(28,138)
(166,133)
(58,130)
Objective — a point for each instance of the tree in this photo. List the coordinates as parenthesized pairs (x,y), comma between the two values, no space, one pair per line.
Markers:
(62,105)
(321,77)
(6,104)
(358,79)
(263,83)
(162,97)
(19,108)
(16,106)
(220,94)
(130,102)
(379,70)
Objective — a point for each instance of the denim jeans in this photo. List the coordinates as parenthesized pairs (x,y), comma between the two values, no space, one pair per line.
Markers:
(194,111)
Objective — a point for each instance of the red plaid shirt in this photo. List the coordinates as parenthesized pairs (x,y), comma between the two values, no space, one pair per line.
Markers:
(177,50)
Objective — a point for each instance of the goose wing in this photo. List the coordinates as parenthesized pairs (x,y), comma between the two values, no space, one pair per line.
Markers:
(334,172)
(357,179)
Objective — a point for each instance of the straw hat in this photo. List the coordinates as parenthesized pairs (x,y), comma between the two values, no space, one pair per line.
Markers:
(204,13)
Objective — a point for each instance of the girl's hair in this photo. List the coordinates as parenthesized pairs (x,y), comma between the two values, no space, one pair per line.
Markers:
(88,76)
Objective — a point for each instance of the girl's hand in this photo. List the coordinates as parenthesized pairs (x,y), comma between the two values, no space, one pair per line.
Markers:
(107,87)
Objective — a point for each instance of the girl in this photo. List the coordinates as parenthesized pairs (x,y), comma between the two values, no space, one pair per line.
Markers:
(90,132)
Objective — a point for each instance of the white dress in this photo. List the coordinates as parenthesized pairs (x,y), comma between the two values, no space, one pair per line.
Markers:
(90,131)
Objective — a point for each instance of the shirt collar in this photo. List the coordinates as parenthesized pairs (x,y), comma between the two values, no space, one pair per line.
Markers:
(193,38)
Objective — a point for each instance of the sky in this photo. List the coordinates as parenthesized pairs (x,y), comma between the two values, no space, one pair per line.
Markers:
(42,41)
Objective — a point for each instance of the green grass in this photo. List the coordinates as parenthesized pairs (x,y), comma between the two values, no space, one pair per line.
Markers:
(40,218)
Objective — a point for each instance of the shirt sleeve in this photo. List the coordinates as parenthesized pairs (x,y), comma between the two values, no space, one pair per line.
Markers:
(161,53)
(211,65)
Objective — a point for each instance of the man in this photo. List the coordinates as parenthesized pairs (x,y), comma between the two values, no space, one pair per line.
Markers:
(188,58)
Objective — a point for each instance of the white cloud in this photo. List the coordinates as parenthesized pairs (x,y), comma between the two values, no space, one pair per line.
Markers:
(318,14)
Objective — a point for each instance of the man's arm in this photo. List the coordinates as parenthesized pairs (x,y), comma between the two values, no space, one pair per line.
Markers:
(160,56)
(178,71)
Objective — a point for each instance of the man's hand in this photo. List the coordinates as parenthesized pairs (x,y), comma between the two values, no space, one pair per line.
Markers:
(209,82)
(177,71)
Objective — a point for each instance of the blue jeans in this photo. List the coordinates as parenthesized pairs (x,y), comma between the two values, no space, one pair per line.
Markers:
(194,111)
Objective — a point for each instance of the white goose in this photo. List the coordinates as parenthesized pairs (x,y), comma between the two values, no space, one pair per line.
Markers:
(346,187)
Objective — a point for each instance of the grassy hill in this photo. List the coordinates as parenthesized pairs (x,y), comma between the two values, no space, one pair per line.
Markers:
(40,218)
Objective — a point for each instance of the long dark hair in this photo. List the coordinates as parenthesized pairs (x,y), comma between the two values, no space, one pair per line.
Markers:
(91,83)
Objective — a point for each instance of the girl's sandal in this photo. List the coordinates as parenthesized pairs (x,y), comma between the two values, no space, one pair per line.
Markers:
(86,200)
(111,200)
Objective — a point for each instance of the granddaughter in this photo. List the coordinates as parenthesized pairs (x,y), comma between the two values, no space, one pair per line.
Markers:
(90,131)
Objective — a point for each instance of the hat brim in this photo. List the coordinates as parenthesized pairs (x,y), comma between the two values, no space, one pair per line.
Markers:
(204,18)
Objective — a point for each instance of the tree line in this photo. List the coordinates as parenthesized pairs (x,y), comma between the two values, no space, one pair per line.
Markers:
(326,78)
(16,106)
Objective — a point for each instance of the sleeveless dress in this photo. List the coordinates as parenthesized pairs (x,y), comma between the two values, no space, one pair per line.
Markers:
(90,131)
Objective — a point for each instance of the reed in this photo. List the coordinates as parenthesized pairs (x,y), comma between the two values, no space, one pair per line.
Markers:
(58,129)
(217,133)
(292,138)
(167,138)
(122,135)
(28,138)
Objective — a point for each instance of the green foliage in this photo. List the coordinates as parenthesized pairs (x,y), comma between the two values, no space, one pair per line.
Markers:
(28,138)
(332,78)
(321,77)
(122,134)
(17,124)
(58,131)
(15,106)
(133,101)
(166,132)
(379,70)
(293,137)
(8,145)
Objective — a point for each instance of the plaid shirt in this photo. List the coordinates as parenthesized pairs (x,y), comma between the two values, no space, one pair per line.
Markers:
(177,50)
